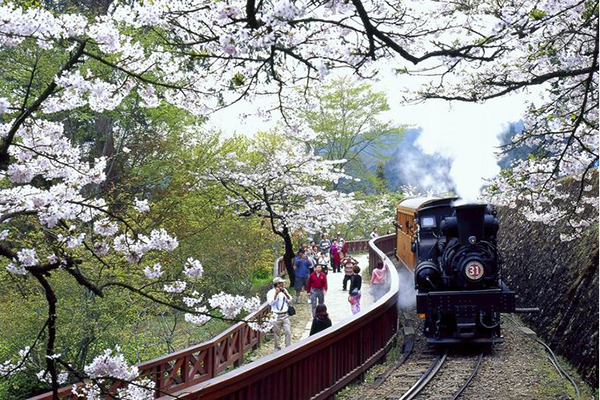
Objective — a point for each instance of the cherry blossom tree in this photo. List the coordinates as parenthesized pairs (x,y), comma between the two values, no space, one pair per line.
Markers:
(550,52)
(278,179)
(202,56)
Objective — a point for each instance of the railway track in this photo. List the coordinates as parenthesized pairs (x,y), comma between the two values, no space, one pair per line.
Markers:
(422,372)
(446,377)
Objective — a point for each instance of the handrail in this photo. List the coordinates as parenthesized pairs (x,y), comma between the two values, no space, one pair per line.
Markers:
(196,369)
(320,365)
(200,362)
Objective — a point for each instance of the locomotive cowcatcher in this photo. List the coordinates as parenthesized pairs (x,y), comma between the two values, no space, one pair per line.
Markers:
(457,269)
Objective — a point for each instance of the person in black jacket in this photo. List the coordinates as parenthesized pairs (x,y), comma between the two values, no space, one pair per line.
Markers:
(321,320)
(354,294)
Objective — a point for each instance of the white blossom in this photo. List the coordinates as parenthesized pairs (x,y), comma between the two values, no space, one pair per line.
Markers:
(175,287)
(111,364)
(27,257)
(193,268)
(141,205)
(154,272)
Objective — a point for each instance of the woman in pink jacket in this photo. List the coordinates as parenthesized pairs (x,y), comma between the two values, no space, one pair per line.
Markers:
(378,281)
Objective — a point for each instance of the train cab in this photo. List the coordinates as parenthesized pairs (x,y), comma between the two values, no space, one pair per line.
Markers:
(407,227)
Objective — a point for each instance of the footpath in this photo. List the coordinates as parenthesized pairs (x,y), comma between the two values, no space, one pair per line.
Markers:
(336,300)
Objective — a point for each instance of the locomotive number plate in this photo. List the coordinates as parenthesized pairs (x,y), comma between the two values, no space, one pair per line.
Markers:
(474,271)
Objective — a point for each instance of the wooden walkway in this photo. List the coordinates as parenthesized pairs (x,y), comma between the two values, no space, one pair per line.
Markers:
(336,300)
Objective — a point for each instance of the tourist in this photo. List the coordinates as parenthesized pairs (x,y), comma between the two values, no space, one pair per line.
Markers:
(316,287)
(302,266)
(321,320)
(334,257)
(354,294)
(378,281)
(325,244)
(343,246)
(348,263)
(374,234)
(323,261)
(278,299)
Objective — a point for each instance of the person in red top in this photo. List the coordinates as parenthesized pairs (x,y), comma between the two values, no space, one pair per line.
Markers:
(316,287)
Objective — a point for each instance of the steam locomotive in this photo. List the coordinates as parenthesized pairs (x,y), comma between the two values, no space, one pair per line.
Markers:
(453,252)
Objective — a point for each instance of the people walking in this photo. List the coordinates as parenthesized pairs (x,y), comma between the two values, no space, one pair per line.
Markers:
(302,266)
(378,280)
(321,320)
(334,257)
(316,287)
(278,299)
(354,294)
(348,264)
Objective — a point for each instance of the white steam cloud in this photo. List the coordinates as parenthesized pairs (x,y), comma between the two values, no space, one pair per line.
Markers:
(468,135)
(407,295)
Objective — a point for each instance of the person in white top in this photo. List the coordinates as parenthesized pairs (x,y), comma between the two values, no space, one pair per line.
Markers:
(278,298)
(374,234)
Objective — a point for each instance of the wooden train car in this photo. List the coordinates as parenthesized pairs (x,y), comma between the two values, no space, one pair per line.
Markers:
(406,228)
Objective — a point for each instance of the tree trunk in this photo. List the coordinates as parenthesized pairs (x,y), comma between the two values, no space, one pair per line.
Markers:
(288,257)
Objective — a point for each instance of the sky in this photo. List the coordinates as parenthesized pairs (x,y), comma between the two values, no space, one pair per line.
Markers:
(467,133)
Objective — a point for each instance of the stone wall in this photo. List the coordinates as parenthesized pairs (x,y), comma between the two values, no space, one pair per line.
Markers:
(559,278)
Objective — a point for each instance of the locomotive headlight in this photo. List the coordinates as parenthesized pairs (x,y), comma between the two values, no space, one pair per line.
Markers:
(474,270)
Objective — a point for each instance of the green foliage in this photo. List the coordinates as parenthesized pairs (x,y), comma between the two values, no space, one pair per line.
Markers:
(377,211)
(348,121)
(537,14)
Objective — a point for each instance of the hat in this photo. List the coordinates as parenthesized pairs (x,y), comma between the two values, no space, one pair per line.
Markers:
(301,250)
(278,280)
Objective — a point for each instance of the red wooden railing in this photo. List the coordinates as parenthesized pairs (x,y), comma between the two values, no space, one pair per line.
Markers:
(197,363)
(357,245)
(315,367)
(320,365)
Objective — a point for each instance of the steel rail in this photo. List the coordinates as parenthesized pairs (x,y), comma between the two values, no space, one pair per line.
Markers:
(464,386)
(425,378)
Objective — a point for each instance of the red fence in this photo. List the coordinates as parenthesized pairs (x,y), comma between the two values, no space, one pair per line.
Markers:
(357,245)
(198,363)
(315,367)
(320,365)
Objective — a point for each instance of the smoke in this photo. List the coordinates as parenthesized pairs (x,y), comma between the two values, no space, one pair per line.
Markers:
(407,295)
(411,166)
(468,135)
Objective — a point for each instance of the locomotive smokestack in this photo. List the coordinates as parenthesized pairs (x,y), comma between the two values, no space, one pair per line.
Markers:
(470,218)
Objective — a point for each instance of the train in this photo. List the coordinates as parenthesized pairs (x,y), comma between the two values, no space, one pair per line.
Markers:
(451,248)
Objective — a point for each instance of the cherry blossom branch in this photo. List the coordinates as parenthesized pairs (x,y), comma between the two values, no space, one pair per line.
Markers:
(131,73)
(7,141)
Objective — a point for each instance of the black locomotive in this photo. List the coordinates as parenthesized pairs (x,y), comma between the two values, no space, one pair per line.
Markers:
(458,274)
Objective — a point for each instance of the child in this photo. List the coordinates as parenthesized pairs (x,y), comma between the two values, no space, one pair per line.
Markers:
(321,320)
(354,295)
(378,283)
